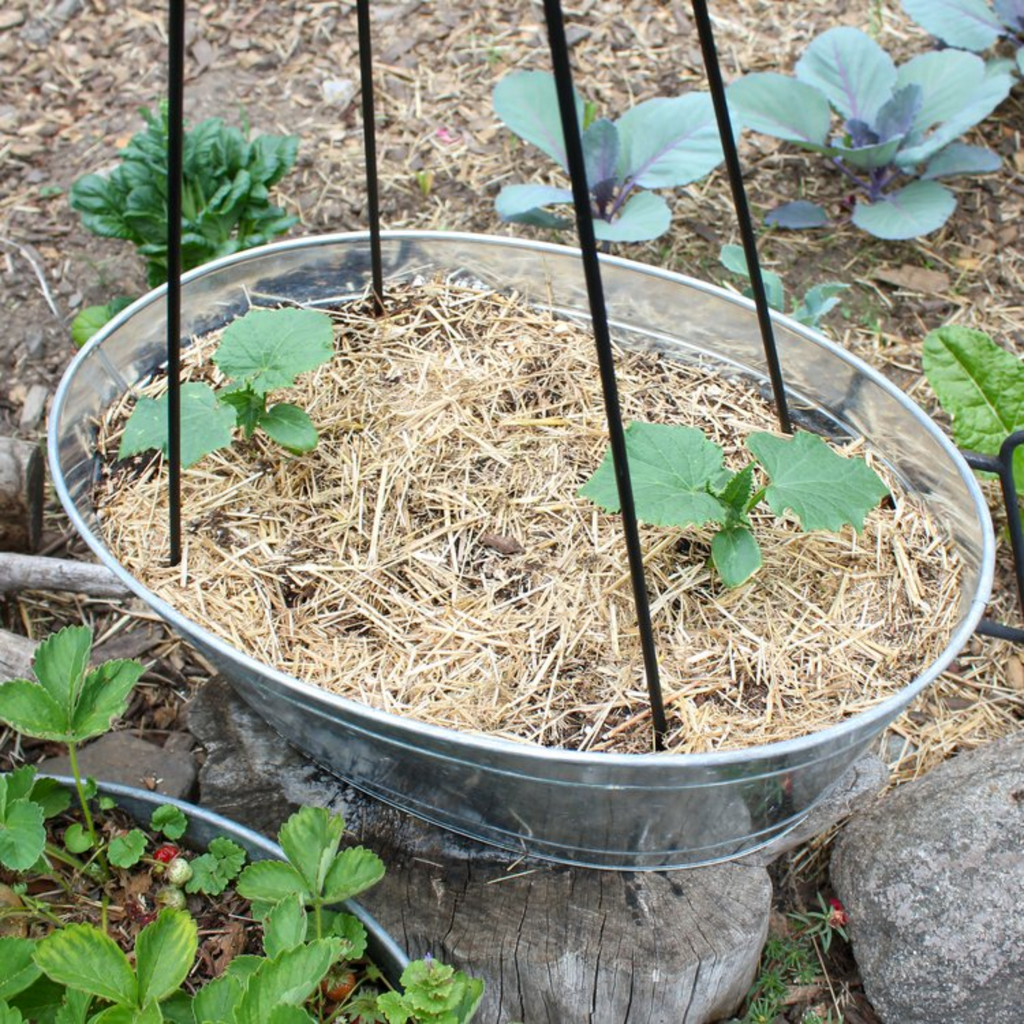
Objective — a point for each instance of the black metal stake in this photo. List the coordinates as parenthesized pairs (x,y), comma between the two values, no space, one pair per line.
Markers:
(739,201)
(1002,466)
(175,131)
(370,151)
(605,357)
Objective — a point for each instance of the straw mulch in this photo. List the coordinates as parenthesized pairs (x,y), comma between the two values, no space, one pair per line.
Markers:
(432,557)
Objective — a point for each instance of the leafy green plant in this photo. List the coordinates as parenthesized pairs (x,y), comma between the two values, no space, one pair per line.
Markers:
(981,386)
(78,974)
(225,192)
(816,302)
(679,479)
(972,24)
(899,126)
(226,178)
(263,350)
(660,143)
(823,924)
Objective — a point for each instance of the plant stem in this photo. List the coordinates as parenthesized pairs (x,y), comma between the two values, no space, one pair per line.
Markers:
(837,161)
(621,198)
(54,851)
(86,814)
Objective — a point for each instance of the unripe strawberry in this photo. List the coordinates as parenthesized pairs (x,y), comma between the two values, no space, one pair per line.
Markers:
(171,896)
(179,871)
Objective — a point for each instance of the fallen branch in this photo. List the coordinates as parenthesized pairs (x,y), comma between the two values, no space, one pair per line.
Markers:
(31,572)
(16,653)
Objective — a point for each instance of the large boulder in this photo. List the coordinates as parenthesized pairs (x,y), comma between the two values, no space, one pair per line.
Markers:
(933,878)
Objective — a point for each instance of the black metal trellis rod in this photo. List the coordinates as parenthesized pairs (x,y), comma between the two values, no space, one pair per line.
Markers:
(602,338)
(1002,466)
(370,151)
(175,131)
(716,86)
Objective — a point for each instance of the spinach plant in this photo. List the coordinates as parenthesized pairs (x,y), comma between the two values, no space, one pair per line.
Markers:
(679,479)
(660,143)
(972,24)
(263,350)
(981,386)
(899,130)
(226,178)
(817,301)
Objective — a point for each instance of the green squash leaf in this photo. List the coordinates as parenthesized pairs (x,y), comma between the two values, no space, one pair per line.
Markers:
(164,953)
(823,489)
(670,468)
(269,348)
(736,555)
(290,427)
(980,385)
(82,957)
(206,425)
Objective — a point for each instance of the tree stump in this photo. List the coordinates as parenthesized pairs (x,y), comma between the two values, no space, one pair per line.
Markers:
(552,944)
(21,495)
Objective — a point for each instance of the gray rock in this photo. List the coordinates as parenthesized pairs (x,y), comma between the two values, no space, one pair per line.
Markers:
(551,943)
(124,758)
(933,878)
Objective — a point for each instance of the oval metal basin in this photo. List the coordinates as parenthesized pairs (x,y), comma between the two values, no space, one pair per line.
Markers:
(627,811)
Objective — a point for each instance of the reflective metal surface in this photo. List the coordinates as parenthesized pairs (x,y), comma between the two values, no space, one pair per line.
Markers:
(204,825)
(603,810)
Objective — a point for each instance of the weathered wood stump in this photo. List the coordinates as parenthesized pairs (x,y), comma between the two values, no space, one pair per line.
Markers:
(21,495)
(16,653)
(552,943)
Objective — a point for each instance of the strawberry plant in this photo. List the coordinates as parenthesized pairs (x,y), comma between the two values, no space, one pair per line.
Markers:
(263,350)
(312,967)
(660,143)
(679,479)
(899,126)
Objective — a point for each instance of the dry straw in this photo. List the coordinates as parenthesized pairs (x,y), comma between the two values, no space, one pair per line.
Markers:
(432,558)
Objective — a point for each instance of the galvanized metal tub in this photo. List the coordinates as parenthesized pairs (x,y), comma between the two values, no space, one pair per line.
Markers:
(625,811)
(205,825)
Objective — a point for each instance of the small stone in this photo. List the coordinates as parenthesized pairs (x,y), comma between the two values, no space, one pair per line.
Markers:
(34,407)
(338,92)
(124,758)
(11,19)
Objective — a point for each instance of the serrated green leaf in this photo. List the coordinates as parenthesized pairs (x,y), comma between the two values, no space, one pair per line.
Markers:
(206,425)
(269,348)
(60,663)
(644,216)
(353,871)
(349,929)
(164,953)
(104,697)
(149,1014)
(285,926)
(981,386)
(213,870)
(289,1015)
(290,427)
(178,1009)
(394,1008)
(671,469)
(215,1002)
(19,968)
(30,710)
(911,212)
(85,958)
(735,554)
(668,142)
(271,881)
(16,785)
(169,821)
(77,839)
(88,321)
(823,489)
(735,494)
(288,979)
(22,833)
(310,840)
(74,1009)
(126,851)
(9,1015)
(527,103)
(248,407)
